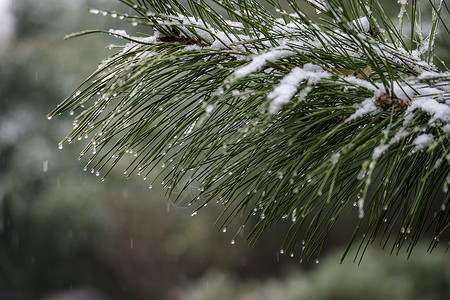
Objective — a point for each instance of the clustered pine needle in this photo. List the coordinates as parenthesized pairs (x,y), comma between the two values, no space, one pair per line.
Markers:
(279,115)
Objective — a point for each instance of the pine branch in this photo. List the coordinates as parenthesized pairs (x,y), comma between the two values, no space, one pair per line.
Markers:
(278,116)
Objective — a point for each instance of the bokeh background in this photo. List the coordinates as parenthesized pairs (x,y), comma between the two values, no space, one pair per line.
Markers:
(65,235)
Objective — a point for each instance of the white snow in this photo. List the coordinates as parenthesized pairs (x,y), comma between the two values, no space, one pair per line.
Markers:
(401,56)
(259,61)
(147,40)
(193,47)
(420,96)
(288,86)
(422,141)
(436,110)
(362,23)
(364,84)
(378,151)
(119,32)
(401,134)
(433,75)
(209,109)
(409,90)
(366,107)
(219,40)
(136,39)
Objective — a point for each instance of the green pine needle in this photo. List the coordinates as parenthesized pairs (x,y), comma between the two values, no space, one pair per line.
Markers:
(278,116)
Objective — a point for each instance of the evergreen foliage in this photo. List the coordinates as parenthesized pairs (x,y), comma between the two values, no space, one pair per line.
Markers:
(279,116)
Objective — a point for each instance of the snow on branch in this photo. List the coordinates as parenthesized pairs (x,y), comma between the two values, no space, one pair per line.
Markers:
(288,86)
(206,99)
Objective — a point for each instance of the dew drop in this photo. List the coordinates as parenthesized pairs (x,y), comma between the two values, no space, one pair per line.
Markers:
(193,214)
(150,187)
(292,254)
(232,242)
(282,251)
(224,229)
(317,261)
(60,146)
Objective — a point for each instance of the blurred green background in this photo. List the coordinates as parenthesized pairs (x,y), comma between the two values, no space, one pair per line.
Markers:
(64,234)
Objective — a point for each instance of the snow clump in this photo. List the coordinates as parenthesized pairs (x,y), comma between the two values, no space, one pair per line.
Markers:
(422,141)
(288,86)
(259,61)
